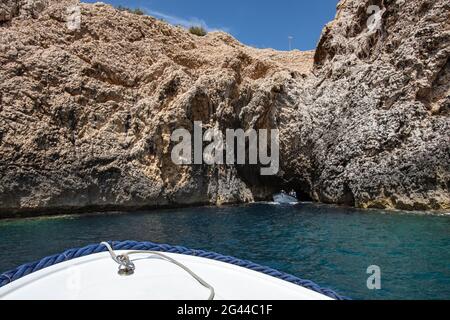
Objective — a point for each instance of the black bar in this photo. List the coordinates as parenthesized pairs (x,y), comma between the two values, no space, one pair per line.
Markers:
(222,309)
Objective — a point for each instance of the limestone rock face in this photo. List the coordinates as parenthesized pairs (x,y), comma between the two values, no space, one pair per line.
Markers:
(381,101)
(86,113)
(8,10)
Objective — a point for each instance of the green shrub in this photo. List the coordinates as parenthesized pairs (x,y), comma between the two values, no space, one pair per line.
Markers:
(122,8)
(135,11)
(198,31)
(138,11)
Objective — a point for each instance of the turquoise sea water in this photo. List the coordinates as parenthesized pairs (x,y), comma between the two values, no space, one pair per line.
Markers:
(330,245)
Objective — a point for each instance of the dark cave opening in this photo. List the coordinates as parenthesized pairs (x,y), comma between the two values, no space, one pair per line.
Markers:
(300,188)
(275,184)
(264,187)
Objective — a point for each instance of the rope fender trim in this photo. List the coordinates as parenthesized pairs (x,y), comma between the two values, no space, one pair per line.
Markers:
(71,254)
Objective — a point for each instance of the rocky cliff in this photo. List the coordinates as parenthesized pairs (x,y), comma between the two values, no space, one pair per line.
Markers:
(86,113)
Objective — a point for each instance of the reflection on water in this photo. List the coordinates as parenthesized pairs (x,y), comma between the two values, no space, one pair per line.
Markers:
(329,245)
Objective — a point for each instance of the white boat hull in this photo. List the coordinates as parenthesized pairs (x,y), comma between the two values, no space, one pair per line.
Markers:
(284,199)
(95,277)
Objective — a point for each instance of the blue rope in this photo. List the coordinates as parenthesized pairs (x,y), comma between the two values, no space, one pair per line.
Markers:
(29,268)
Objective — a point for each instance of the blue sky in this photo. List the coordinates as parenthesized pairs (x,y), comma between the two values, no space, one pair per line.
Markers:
(263,23)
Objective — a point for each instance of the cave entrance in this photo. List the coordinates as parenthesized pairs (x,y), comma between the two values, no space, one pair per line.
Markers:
(276,185)
(300,188)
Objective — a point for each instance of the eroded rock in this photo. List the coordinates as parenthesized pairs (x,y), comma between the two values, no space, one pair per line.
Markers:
(86,114)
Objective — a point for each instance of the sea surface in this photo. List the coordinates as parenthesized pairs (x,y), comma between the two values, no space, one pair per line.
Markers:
(332,246)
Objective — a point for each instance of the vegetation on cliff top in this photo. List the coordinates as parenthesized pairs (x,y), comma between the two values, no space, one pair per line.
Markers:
(198,31)
(137,11)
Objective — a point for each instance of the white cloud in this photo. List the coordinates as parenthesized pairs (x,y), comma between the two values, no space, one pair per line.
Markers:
(193,21)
